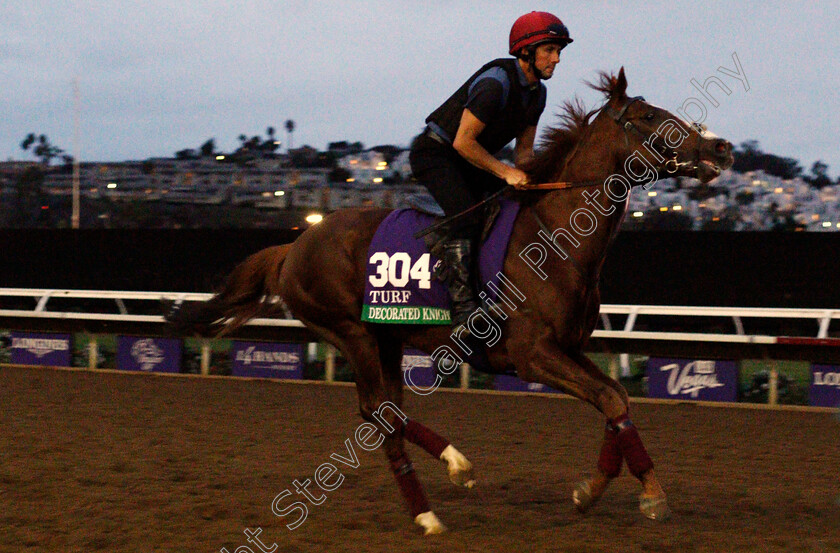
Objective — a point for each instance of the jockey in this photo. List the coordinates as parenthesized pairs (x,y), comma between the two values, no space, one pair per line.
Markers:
(453,157)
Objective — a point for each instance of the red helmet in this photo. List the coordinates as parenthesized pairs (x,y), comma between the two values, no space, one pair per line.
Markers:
(535,28)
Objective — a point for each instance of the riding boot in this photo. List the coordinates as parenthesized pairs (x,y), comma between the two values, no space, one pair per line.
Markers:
(457,256)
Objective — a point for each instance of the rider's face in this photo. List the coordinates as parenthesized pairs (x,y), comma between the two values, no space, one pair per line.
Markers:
(546,57)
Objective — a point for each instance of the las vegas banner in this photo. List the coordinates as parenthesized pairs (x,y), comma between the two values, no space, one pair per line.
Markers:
(692,379)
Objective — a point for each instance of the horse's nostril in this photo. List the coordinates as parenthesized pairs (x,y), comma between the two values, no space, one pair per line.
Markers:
(722,146)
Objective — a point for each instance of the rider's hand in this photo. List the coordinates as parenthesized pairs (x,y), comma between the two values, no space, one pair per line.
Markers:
(516,178)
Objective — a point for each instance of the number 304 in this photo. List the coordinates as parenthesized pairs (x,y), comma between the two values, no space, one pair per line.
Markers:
(397,270)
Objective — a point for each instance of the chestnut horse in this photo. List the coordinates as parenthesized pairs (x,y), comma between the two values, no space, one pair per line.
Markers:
(321,279)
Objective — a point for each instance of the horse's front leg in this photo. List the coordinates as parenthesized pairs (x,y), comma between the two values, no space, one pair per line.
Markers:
(548,364)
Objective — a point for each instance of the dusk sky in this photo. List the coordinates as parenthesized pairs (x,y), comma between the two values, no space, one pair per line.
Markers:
(155,77)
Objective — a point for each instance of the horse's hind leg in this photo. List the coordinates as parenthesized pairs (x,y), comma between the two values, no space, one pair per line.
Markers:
(458,466)
(361,349)
(577,375)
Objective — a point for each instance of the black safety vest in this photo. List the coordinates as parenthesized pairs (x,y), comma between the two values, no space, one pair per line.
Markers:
(499,132)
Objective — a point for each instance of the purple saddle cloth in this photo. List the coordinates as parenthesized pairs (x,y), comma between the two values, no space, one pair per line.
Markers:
(400,286)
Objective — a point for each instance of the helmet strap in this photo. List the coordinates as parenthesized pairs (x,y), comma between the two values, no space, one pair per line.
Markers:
(530,58)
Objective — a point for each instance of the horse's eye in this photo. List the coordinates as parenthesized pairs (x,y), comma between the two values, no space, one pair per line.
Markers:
(649,116)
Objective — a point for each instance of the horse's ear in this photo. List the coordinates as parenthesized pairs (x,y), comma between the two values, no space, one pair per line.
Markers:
(620,90)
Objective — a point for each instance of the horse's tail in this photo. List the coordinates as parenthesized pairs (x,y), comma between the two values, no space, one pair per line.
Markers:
(249,291)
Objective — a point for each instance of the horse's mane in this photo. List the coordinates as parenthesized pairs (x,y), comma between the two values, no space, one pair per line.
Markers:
(558,142)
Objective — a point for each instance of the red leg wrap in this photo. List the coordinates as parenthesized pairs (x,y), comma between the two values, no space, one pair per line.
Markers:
(632,448)
(410,487)
(422,436)
(610,460)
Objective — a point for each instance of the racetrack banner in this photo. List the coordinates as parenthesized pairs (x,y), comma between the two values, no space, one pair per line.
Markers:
(46,350)
(160,355)
(267,360)
(418,369)
(693,379)
(825,386)
(515,384)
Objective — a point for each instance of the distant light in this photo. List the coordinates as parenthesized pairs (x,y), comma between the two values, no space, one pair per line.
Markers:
(838,225)
(663,209)
(220,158)
(382,163)
(351,180)
(826,224)
(779,190)
(354,161)
(314,218)
(377,179)
(45,207)
(380,167)
(112,185)
(266,194)
(276,142)
(279,193)
(815,217)
(651,194)
(677,208)
(701,205)
(638,214)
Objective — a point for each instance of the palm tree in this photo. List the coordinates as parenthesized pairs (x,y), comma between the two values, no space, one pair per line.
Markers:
(42,148)
(290,128)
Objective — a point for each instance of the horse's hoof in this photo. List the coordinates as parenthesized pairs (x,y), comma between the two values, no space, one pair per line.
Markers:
(430,522)
(655,508)
(582,497)
(460,469)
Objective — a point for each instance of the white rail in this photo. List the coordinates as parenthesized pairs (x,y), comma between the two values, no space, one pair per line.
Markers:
(43,300)
(42,297)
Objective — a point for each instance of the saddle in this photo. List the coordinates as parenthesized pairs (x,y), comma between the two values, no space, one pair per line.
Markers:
(434,240)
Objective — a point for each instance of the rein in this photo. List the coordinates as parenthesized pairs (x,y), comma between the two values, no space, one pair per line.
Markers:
(558,185)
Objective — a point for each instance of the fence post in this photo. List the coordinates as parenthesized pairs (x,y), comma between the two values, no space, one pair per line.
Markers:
(773,385)
(205,356)
(93,353)
(614,366)
(465,376)
(329,364)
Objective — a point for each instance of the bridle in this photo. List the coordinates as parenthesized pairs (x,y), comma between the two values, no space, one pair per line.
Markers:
(657,144)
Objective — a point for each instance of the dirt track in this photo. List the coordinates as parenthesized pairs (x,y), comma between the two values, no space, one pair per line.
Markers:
(113,462)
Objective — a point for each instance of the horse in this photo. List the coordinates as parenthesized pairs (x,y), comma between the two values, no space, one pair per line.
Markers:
(320,278)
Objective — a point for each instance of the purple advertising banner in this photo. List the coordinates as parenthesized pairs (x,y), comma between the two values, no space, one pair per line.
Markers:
(515,384)
(418,369)
(48,350)
(160,355)
(267,360)
(825,385)
(692,379)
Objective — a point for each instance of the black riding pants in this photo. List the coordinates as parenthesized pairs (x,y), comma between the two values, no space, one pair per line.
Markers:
(453,182)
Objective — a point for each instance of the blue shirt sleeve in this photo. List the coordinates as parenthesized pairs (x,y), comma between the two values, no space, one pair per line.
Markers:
(488,94)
